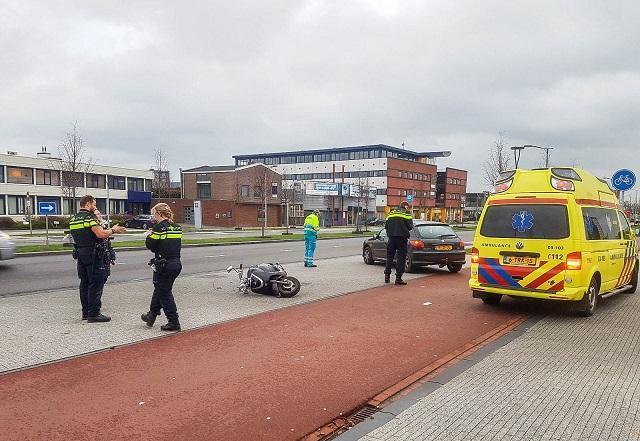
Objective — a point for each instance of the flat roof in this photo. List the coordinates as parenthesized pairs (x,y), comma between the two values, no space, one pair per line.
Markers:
(439,154)
(209,168)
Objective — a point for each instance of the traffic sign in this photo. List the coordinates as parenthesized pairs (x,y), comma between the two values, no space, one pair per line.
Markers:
(47,208)
(409,198)
(623,180)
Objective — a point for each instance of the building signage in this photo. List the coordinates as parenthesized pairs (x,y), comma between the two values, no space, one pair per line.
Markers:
(355,191)
(323,188)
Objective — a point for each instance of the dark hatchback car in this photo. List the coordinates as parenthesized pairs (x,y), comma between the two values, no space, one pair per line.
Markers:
(144,221)
(431,243)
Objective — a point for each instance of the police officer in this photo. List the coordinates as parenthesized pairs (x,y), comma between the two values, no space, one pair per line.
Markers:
(311,228)
(88,236)
(399,223)
(165,240)
(109,252)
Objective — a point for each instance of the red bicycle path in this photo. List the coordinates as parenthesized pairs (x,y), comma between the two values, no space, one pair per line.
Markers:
(273,376)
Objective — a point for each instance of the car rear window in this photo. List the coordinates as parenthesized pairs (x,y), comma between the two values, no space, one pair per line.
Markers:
(434,231)
(526,221)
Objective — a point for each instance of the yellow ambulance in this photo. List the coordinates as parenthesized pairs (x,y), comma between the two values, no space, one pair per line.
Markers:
(556,234)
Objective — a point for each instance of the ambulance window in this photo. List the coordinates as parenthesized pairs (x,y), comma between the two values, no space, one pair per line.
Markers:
(534,221)
(601,224)
(626,228)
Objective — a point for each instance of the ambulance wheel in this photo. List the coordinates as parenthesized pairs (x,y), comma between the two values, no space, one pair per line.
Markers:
(491,299)
(634,281)
(590,299)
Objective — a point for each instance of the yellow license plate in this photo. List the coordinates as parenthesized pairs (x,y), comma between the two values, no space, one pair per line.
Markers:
(444,247)
(519,260)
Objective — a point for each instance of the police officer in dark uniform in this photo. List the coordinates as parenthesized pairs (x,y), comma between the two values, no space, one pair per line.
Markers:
(399,223)
(165,240)
(89,249)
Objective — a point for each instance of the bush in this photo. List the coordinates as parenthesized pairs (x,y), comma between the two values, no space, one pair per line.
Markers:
(7,223)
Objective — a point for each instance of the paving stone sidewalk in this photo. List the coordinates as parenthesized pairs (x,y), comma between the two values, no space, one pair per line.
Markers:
(566,378)
(46,326)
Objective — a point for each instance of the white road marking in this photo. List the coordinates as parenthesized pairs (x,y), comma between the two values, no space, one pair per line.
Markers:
(285,250)
(121,263)
(219,255)
(338,246)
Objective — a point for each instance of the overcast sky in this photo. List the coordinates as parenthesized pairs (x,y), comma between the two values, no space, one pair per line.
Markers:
(205,80)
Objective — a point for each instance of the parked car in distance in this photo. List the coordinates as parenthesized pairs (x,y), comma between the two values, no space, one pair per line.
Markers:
(375,222)
(7,247)
(430,243)
(144,221)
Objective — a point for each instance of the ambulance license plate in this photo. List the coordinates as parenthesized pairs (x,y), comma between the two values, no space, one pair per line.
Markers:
(519,261)
(444,247)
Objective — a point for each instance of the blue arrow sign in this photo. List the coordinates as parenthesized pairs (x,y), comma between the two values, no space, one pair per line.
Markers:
(47,208)
(623,180)
(409,198)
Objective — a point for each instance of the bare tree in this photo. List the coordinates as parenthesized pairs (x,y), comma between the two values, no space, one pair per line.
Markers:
(363,187)
(497,161)
(161,181)
(261,191)
(287,196)
(73,164)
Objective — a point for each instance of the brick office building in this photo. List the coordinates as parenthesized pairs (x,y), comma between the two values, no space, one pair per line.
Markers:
(230,196)
(451,189)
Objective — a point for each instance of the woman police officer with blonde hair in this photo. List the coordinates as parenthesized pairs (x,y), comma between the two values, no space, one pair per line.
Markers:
(165,240)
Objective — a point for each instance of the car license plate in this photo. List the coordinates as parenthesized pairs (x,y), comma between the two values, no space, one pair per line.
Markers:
(444,247)
(519,261)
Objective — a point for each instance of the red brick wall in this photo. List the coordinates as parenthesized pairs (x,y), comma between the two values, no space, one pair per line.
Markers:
(457,189)
(215,213)
(396,183)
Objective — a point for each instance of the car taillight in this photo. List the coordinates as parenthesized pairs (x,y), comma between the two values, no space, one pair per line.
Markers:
(562,184)
(417,244)
(574,261)
(462,244)
(475,255)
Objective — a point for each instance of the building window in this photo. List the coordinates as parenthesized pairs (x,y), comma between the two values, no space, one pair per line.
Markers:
(2,207)
(19,175)
(116,206)
(117,182)
(148,184)
(1,173)
(72,179)
(96,181)
(47,177)
(18,204)
(203,177)
(244,191)
(69,206)
(135,184)
(204,191)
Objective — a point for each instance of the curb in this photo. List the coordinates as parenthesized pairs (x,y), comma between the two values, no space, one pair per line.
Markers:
(191,245)
(380,401)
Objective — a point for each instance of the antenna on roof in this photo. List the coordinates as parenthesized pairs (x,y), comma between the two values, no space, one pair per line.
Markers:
(403,144)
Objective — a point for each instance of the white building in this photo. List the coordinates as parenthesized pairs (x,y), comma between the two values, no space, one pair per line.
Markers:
(126,190)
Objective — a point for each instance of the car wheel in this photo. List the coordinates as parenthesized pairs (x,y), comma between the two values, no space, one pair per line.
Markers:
(145,226)
(634,281)
(590,300)
(454,267)
(491,299)
(126,224)
(367,256)
(409,267)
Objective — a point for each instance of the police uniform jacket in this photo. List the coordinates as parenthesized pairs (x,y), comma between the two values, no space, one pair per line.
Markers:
(80,226)
(399,223)
(165,239)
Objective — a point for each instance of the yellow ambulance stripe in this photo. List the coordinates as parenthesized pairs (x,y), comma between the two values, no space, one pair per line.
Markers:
(538,273)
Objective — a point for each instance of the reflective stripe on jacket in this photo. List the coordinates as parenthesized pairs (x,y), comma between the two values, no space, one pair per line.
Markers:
(311,225)
(399,223)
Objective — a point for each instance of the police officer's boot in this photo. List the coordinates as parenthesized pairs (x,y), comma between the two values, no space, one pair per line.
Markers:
(387,278)
(100,318)
(149,318)
(399,281)
(173,325)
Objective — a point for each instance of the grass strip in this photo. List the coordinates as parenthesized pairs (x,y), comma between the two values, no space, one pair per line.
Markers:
(210,241)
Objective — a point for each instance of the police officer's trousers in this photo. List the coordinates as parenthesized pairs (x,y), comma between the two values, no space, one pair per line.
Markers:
(397,245)
(92,274)
(162,294)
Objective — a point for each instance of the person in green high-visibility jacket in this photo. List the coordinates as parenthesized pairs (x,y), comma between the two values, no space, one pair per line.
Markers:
(311,228)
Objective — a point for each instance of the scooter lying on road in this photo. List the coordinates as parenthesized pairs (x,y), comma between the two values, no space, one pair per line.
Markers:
(267,278)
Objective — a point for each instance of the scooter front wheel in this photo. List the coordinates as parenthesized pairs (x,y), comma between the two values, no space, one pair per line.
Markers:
(288,286)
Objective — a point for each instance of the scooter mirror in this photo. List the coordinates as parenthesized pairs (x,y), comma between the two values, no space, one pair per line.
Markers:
(230,269)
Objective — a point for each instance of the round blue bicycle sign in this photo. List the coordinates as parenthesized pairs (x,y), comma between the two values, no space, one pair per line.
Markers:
(623,180)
